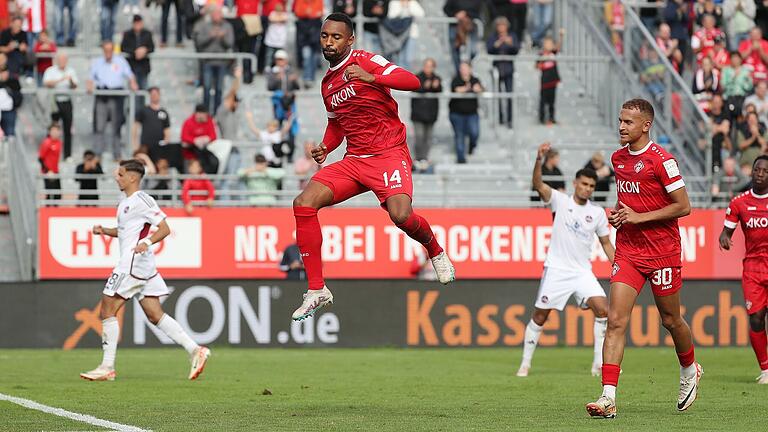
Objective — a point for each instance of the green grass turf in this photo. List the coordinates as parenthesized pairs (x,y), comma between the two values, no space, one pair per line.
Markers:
(377,390)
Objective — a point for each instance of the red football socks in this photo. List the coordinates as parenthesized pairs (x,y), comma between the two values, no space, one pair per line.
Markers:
(686,359)
(309,238)
(418,229)
(611,374)
(759,342)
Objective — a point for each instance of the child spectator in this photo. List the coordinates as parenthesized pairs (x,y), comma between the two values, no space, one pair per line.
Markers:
(274,139)
(263,181)
(44,44)
(550,77)
(48,156)
(200,183)
(91,166)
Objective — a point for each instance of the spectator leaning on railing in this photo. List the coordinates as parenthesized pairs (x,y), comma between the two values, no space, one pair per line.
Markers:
(197,132)
(262,181)
(109,72)
(137,44)
(62,77)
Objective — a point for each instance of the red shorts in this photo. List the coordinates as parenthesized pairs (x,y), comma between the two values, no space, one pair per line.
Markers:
(755,287)
(386,175)
(664,274)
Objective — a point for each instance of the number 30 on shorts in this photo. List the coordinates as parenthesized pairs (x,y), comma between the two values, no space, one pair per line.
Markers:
(662,277)
(394,178)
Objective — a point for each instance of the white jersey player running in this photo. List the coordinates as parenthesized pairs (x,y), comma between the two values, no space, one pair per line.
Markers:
(567,269)
(136,273)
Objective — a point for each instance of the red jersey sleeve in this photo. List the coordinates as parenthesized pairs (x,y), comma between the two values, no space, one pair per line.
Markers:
(334,134)
(389,74)
(668,173)
(187,135)
(732,215)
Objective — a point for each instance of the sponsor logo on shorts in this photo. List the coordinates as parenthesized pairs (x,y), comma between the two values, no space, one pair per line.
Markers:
(544,299)
(748,304)
(620,166)
(639,166)
(615,269)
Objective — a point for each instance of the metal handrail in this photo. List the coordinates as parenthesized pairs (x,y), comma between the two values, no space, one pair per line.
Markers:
(166,55)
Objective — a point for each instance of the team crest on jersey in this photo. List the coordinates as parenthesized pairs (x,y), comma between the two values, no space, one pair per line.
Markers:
(615,269)
(589,218)
(544,299)
(639,166)
(126,209)
(749,305)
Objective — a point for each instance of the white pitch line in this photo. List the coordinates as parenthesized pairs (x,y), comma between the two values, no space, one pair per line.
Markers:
(85,418)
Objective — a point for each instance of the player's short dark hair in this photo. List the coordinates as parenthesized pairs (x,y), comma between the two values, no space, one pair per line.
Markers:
(641,105)
(133,165)
(588,173)
(88,155)
(342,18)
(759,158)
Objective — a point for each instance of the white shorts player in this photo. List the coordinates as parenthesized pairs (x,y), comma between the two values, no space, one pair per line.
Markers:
(136,273)
(567,269)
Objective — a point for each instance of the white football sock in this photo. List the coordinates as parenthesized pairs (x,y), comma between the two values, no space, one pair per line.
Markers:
(609,391)
(174,331)
(688,371)
(599,330)
(532,334)
(110,333)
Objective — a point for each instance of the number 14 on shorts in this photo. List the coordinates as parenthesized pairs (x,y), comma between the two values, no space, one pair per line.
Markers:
(394,179)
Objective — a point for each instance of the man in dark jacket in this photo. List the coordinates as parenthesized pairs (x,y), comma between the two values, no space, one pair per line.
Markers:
(374,9)
(137,45)
(502,42)
(424,110)
(676,15)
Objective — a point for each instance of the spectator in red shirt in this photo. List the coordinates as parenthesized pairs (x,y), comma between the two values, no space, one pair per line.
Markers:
(197,132)
(44,44)
(755,53)
(720,55)
(703,40)
(49,155)
(196,184)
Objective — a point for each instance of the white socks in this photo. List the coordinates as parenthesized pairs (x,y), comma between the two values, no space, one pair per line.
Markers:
(110,333)
(609,391)
(688,371)
(599,331)
(532,334)
(174,331)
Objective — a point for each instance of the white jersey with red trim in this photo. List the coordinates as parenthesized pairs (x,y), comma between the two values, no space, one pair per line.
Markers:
(136,214)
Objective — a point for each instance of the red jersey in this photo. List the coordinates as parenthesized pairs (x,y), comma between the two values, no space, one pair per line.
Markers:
(49,155)
(759,69)
(704,40)
(644,180)
(752,212)
(201,184)
(366,113)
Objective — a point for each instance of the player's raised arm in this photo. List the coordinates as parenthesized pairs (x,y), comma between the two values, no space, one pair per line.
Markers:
(379,71)
(545,192)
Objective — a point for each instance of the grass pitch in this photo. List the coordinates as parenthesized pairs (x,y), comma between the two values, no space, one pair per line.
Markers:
(377,390)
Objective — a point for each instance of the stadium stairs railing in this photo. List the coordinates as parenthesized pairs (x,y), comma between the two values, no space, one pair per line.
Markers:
(680,122)
(22,202)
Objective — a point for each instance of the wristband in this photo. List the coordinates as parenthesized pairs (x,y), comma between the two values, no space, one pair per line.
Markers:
(146,241)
